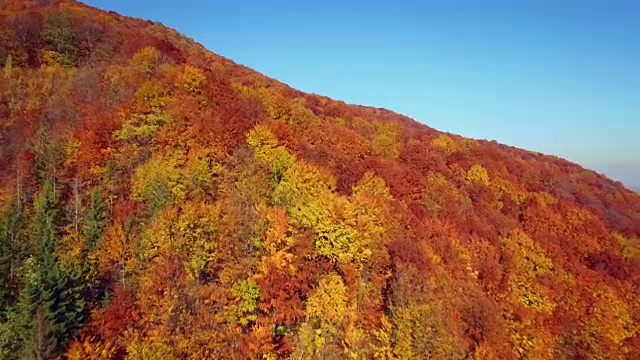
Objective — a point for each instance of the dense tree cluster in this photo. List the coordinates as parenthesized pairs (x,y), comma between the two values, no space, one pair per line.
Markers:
(158,201)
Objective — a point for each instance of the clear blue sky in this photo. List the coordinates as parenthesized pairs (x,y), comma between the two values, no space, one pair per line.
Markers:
(556,76)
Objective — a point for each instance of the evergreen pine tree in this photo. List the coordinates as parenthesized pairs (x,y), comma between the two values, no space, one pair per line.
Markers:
(43,290)
(46,227)
(95,222)
(10,254)
(16,330)
(14,322)
(48,155)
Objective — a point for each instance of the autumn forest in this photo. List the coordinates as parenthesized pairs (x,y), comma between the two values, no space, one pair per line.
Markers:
(158,201)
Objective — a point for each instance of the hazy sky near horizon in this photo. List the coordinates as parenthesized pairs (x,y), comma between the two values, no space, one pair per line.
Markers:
(557,76)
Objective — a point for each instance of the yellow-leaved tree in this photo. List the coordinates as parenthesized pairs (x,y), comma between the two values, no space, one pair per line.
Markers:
(327,312)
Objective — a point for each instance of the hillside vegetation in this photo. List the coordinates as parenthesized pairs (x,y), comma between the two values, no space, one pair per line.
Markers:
(158,201)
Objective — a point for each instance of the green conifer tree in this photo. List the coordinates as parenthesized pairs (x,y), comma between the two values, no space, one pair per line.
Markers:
(95,222)
(60,290)
(11,255)
(43,290)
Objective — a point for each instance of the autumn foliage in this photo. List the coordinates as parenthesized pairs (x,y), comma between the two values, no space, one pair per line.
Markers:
(158,201)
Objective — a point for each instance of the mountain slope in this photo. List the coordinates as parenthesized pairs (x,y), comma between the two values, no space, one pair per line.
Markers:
(160,201)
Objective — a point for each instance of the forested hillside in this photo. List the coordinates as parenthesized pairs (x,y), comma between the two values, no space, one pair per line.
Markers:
(158,201)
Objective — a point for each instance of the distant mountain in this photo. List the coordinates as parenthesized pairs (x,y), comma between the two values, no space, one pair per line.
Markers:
(158,201)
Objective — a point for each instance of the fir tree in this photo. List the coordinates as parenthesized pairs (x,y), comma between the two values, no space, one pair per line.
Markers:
(43,289)
(10,254)
(59,289)
(95,222)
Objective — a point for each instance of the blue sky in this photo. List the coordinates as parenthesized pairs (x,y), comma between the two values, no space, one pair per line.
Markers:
(556,76)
